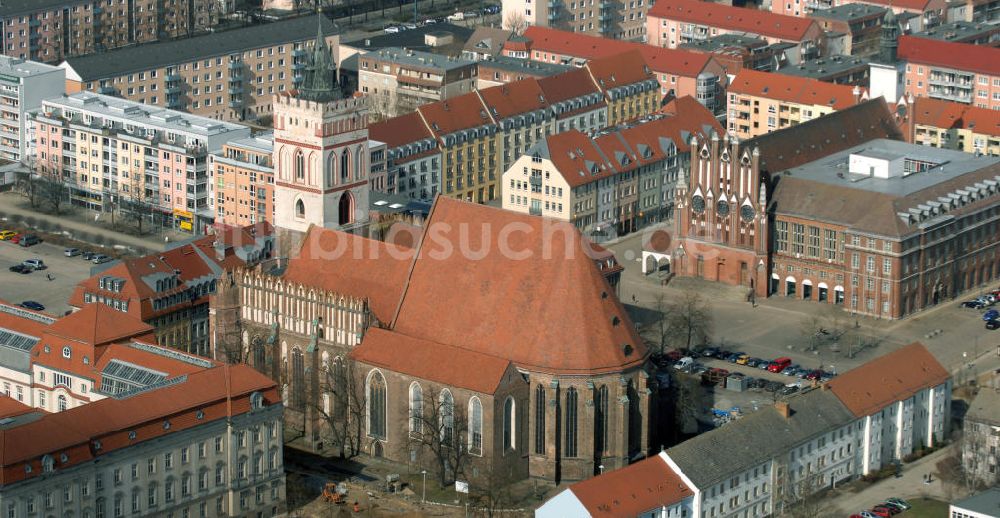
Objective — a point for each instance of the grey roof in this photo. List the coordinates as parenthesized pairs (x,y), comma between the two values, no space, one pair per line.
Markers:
(758,437)
(11,7)
(487,40)
(847,12)
(414,39)
(985,408)
(957,31)
(986,503)
(17,67)
(533,68)
(419,59)
(161,54)
(827,66)
(725,41)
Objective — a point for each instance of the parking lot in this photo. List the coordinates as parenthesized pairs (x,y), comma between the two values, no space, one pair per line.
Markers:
(66,272)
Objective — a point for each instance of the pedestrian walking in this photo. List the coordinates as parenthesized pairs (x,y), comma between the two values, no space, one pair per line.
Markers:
(633,298)
(48,276)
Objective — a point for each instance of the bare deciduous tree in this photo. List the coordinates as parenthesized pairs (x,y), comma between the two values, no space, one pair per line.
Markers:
(344,411)
(53,191)
(490,491)
(136,208)
(515,22)
(690,319)
(382,106)
(440,429)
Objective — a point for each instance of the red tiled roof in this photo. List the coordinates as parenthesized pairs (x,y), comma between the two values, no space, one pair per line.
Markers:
(532,295)
(352,265)
(401,130)
(568,85)
(622,69)
(432,361)
(633,490)
(661,60)
(98,324)
(455,114)
(952,115)
(515,98)
(217,392)
(9,319)
(765,23)
(10,407)
(889,378)
(957,56)
(801,90)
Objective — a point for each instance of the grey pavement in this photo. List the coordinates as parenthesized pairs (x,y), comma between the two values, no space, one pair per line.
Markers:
(910,486)
(66,272)
(80,223)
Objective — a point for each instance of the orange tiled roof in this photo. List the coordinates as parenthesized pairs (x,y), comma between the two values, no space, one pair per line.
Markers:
(952,115)
(401,130)
(218,393)
(889,378)
(514,98)
(671,61)
(455,114)
(633,490)
(10,407)
(98,324)
(742,19)
(626,68)
(957,56)
(792,89)
(446,364)
(352,265)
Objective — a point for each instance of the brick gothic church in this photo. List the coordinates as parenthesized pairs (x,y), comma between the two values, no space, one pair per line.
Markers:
(720,232)
(521,357)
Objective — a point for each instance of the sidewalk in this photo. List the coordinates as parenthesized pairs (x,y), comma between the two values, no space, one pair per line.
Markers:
(81,225)
(910,485)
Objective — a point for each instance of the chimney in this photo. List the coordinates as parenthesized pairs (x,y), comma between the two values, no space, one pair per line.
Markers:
(783,409)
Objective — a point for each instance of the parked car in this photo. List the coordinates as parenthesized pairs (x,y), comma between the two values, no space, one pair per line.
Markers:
(974,304)
(392,29)
(100,258)
(32,305)
(709,352)
(868,514)
(72,252)
(883,511)
(899,502)
(684,363)
(698,368)
(87,255)
(742,359)
(29,240)
(779,364)
(735,356)
(764,364)
(892,508)
(791,370)
(35,263)
(991,315)
(6,235)
(814,374)
(15,239)
(22,269)
(753,362)
(722,354)
(789,390)
(993,325)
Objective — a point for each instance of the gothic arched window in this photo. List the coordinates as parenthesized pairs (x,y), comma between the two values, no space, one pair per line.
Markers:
(345,162)
(300,165)
(298,378)
(475,426)
(540,420)
(376,405)
(569,449)
(300,209)
(416,408)
(447,417)
(509,441)
(601,420)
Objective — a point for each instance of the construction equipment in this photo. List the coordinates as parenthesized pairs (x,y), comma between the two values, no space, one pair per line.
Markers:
(335,493)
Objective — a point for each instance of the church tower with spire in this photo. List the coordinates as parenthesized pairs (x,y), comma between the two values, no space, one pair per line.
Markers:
(885,72)
(320,150)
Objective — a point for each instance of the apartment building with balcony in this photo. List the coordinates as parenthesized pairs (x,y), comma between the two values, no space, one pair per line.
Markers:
(918,14)
(230,75)
(951,125)
(241,176)
(625,20)
(949,71)
(679,72)
(779,455)
(412,158)
(852,29)
(498,70)
(117,154)
(973,33)
(761,102)
(612,181)
(736,52)
(981,443)
(398,80)
(671,23)
(52,30)
(23,86)
(841,70)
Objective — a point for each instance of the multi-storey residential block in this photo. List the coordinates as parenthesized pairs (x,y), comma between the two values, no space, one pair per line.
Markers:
(981,505)
(680,73)
(779,455)
(609,182)
(617,20)
(229,75)
(736,52)
(242,181)
(952,125)
(398,80)
(413,159)
(761,102)
(919,14)
(169,290)
(884,239)
(852,29)
(672,23)
(52,30)
(841,70)
(504,69)
(117,154)
(981,437)
(951,71)
(23,85)
(485,43)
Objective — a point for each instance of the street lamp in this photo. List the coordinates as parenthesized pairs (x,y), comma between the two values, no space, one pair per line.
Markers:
(601,467)
(423,487)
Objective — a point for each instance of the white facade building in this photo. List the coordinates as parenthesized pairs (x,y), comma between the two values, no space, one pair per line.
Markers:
(23,87)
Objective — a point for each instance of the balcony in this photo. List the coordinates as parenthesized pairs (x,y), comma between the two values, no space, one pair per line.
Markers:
(236,90)
(173,77)
(235,65)
(535,210)
(236,103)
(535,181)
(298,65)
(172,88)
(174,102)
(298,53)
(106,90)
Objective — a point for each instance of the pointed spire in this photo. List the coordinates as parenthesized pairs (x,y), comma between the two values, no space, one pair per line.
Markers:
(319,84)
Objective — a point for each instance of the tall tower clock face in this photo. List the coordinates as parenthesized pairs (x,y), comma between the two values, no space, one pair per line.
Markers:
(698,204)
(722,208)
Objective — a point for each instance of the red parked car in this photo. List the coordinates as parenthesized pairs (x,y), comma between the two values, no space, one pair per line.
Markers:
(881,511)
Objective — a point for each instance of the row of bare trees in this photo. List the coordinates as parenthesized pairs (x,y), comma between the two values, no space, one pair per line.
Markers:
(684,323)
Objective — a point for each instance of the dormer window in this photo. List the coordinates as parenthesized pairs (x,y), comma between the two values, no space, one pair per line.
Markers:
(48,464)
(256,401)
(67,352)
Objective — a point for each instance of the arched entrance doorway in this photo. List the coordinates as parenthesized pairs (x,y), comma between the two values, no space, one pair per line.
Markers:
(807,290)
(838,294)
(823,292)
(345,209)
